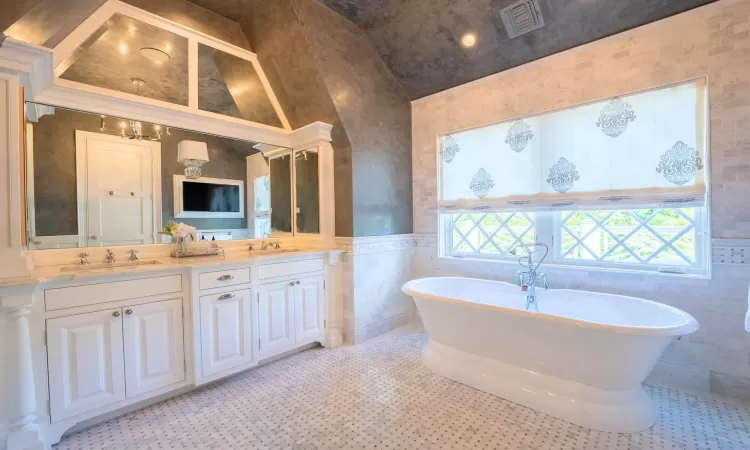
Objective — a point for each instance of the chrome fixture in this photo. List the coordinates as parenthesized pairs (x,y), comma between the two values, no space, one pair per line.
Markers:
(133,255)
(527,279)
(193,155)
(109,257)
(133,130)
(270,245)
(83,259)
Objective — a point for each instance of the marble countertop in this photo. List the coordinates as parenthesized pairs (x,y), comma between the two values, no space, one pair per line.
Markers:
(46,274)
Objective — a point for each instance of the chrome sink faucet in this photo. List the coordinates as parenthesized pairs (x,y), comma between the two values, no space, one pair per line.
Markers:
(528,278)
(83,259)
(109,257)
(133,255)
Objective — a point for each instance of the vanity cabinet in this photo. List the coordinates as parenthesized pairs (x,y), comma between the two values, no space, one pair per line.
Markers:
(86,362)
(225,331)
(290,314)
(275,318)
(153,343)
(100,358)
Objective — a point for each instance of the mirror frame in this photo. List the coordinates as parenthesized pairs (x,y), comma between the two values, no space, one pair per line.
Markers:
(278,153)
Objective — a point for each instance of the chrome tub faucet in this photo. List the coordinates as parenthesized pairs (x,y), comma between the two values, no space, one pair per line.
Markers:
(528,278)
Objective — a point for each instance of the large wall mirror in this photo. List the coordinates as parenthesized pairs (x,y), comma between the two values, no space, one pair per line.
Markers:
(101,181)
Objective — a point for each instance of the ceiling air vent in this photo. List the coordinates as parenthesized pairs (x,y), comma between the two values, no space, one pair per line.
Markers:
(522,17)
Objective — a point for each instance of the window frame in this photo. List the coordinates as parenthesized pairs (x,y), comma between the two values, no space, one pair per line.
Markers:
(548,230)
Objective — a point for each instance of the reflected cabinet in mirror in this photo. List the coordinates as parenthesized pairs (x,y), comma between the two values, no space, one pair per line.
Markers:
(306,192)
(281,193)
(99,181)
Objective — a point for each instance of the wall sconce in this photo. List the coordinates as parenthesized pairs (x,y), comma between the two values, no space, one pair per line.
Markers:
(193,155)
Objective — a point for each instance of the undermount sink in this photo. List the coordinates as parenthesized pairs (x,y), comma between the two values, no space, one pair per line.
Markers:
(87,267)
(274,251)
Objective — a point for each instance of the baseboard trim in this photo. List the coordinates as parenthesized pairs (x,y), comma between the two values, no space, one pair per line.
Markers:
(376,329)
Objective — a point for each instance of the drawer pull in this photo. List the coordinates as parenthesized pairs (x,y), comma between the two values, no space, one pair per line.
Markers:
(291,283)
(226,296)
(225,278)
(297,282)
(116,314)
(128,311)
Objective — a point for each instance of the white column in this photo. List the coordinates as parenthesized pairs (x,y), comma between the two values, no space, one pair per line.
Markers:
(17,374)
(13,258)
(334,332)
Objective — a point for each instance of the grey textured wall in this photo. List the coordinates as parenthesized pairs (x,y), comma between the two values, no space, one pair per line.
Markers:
(376,114)
(55,171)
(323,68)
(280,41)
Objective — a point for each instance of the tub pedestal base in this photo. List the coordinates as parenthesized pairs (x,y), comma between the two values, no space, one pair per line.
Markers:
(627,411)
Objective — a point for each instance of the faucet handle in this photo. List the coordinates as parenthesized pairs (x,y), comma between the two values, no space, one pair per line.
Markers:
(277,245)
(250,247)
(83,255)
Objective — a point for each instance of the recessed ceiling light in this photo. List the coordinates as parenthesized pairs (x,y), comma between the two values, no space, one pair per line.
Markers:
(155,55)
(469,40)
(123,48)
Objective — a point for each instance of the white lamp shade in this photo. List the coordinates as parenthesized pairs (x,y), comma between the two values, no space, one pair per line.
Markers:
(192,150)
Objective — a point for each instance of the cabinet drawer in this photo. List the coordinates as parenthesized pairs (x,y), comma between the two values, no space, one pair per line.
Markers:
(223,278)
(92,294)
(290,268)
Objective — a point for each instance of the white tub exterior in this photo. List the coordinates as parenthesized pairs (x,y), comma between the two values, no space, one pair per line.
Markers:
(582,358)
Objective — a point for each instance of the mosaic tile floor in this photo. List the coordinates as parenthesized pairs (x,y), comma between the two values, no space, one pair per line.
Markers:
(378,396)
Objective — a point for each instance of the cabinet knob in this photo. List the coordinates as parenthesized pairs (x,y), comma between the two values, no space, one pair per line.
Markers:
(111,192)
(116,314)
(291,283)
(128,311)
(297,282)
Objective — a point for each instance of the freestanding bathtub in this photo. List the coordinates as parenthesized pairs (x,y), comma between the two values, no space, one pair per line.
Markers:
(581,358)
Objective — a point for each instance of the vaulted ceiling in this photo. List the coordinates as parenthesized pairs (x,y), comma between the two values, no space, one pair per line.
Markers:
(420,40)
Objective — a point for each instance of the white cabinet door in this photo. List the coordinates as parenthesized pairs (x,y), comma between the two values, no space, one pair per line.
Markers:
(85,362)
(154,353)
(308,309)
(117,188)
(226,331)
(276,318)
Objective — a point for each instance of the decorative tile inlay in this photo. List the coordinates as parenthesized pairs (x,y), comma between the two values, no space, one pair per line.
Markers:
(481,183)
(679,163)
(519,136)
(450,148)
(375,244)
(378,395)
(563,175)
(615,117)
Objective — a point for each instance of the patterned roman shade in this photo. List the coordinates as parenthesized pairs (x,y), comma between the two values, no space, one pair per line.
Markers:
(641,150)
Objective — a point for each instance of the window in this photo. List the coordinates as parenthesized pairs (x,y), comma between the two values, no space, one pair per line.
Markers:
(656,239)
(618,183)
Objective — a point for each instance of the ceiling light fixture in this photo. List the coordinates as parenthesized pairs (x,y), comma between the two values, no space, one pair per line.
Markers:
(133,130)
(469,40)
(155,55)
(123,48)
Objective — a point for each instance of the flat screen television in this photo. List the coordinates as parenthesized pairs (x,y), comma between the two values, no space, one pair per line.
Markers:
(209,197)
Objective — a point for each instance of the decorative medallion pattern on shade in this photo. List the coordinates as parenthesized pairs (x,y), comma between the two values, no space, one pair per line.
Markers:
(563,175)
(680,163)
(615,117)
(519,136)
(481,183)
(450,148)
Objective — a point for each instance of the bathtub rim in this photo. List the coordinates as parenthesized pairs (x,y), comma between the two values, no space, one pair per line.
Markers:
(689,325)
